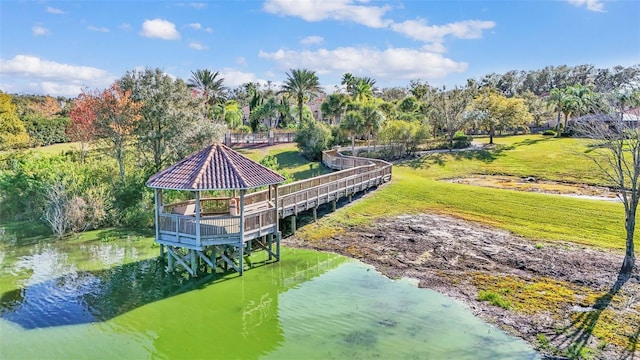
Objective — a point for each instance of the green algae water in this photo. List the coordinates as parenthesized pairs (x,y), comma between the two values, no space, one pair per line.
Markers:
(113,300)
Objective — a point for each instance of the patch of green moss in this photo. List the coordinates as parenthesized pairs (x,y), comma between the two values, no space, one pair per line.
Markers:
(493,298)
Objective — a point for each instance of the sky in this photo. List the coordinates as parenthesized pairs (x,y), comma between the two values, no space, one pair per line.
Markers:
(58,48)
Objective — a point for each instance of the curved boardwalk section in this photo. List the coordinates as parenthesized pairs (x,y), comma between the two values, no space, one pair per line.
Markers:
(206,233)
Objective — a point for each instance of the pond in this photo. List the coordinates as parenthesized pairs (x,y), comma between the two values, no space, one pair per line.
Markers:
(112,299)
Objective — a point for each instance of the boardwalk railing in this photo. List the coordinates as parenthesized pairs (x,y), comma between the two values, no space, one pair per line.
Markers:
(220,222)
(355,174)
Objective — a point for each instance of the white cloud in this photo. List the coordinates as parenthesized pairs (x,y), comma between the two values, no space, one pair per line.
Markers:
(38,30)
(234,78)
(52,10)
(317,10)
(198,26)
(241,61)
(98,29)
(160,29)
(26,73)
(593,5)
(312,40)
(435,47)
(387,65)
(197,46)
(419,30)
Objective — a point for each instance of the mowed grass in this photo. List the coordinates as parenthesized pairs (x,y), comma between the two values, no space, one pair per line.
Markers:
(289,159)
(415,188)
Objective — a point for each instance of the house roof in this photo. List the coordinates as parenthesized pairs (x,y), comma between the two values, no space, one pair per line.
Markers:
(216,167)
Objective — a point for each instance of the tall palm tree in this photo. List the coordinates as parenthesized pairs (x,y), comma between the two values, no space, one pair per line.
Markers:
(373,119)
(585,98)
(301,84)
(209,85)
(362,91)
(354,124)
(334,107)
(556,102)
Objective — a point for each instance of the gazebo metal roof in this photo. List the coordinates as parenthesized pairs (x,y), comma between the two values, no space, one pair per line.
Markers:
(216,167)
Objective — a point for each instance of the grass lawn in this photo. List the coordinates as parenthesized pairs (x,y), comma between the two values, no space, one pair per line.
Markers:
(415,188)
(289,159)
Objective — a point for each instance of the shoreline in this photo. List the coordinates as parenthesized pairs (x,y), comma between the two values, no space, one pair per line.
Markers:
(459,259)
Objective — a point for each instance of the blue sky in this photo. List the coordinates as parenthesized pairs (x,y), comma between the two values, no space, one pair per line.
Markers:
(58,47)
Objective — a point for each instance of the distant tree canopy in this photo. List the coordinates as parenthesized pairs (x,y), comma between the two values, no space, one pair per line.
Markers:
(13,133)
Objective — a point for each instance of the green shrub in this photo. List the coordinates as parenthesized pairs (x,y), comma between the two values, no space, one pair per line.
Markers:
(313,138)
(494,299)
(549,133)
(461,140)
(46,131)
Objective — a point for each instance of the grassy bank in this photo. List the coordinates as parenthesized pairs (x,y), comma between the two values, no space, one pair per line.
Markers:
(415,188)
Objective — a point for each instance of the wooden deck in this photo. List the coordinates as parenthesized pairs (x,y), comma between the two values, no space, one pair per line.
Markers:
(220,221)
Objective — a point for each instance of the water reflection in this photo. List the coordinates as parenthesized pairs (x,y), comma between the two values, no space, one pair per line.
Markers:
(114,300)
(80,297)
(57,294)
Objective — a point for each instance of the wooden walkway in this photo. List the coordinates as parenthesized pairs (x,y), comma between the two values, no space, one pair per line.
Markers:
(220,232)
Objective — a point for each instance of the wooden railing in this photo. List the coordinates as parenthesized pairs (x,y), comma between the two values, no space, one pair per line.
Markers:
(218,223)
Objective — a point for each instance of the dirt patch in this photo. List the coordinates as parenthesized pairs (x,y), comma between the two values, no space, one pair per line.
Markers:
(554,295)
(536,185)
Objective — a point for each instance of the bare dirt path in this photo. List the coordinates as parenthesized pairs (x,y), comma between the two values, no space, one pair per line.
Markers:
(459,258)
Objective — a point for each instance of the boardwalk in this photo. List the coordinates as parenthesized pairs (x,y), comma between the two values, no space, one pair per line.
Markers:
(219,231)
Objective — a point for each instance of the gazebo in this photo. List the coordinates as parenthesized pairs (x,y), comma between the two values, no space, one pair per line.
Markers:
(216,230)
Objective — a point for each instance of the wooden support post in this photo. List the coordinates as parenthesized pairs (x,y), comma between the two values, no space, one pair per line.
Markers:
(249,247)
(214,260)
(315,214)
(193,261)
(350,198)
(169,258)
(333,206)
(197,200)
(157,199)
(241,245)
(269,246)
(240,258)
(278,237)
(293,224)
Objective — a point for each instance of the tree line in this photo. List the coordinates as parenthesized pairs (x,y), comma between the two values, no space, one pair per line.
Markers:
(148,120)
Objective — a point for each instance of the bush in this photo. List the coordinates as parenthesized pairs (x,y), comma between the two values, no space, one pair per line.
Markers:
(461,141)
(313,138)
(549,133)
(46,131)
(339,137)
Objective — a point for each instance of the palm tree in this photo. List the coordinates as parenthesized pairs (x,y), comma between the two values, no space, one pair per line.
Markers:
(334,106)
(556,101)
(373,119)
(354,124)
(362,91)
(585,98)
(233,114)
(209,86)
(348,80)
(301,84)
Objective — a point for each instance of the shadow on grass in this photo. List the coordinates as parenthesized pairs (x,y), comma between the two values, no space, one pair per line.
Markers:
(485,156)
(528,142)
(426,161)
(290,159)
(312,171)
(580,331)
